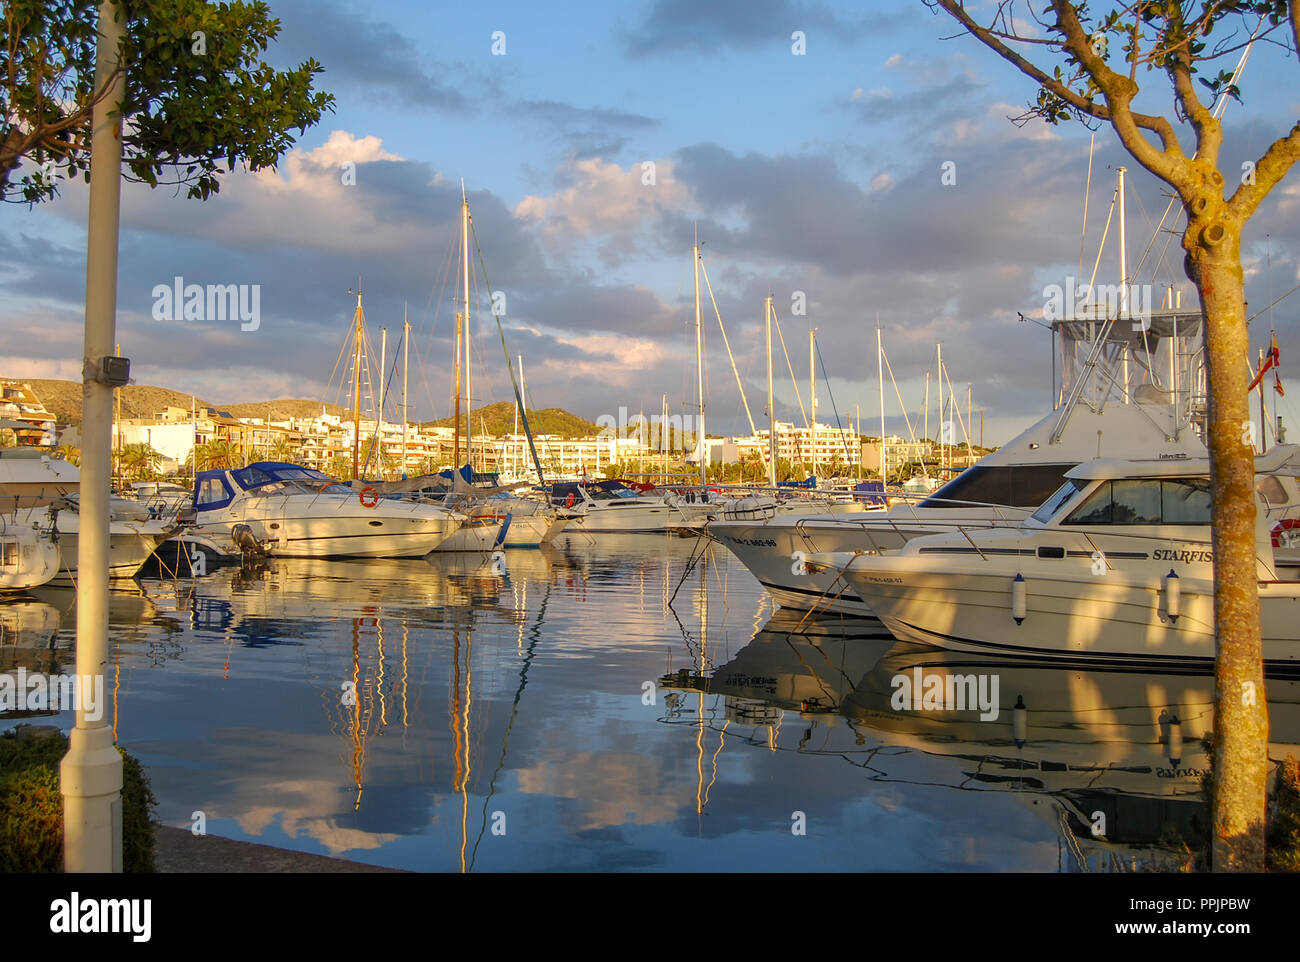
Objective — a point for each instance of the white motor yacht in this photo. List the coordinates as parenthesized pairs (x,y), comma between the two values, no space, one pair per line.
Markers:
(613,507)
(297,512)
(1117,565)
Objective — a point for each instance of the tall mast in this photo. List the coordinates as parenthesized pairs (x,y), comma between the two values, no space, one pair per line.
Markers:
(406,353)
(942,435)
(117,426)
(925,432)
(464,243)
(1123,278)
(515,439)
(812,396)
(378,446)
(771,404)
(357,336)
(880,376)
(857,439)
(699,357)
(969,453)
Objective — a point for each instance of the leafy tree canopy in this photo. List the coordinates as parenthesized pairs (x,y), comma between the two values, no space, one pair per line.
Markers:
(199,96)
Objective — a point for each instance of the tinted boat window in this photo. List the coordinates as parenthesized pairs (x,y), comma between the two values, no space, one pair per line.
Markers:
(1178,501)
(1186,501)
(1135,502)
(1014,485)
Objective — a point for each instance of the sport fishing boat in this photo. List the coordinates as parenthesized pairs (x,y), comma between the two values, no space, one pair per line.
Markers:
(1103,409)
(1117,566)
(298,512)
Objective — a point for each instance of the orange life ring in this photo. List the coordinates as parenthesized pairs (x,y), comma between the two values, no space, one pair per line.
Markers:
(1286,524)
(374,497)
(568,502)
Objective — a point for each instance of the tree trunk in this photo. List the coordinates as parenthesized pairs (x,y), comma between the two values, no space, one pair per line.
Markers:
(1241,716)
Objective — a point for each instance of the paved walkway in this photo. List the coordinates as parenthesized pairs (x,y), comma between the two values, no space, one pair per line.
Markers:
(179,850)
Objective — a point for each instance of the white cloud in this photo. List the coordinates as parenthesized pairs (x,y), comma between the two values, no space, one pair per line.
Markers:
(604,199)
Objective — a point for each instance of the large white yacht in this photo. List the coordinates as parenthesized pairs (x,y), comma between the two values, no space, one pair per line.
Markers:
(1117,565)
(297,512)
(1114,398)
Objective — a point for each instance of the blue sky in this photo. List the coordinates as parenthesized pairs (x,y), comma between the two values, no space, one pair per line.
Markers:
(817,172)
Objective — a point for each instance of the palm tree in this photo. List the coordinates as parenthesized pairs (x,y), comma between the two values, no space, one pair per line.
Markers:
(70,454)
(282,450)
(139,460)
(340,465)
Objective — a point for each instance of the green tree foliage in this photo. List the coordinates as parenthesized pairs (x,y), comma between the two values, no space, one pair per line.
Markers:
(199,96)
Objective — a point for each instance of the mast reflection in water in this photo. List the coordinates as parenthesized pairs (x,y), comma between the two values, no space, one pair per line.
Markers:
(627,703)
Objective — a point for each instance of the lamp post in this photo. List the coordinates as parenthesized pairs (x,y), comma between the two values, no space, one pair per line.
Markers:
(91,772)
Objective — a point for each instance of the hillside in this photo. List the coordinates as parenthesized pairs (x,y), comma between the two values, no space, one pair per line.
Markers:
(63,398)
(499,419)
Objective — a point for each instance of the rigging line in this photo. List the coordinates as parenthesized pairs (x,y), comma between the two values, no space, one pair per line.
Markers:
(793,380)
(1087,190)
(752,430)
(965,432)
(911,432)
(831,394)
(514,380)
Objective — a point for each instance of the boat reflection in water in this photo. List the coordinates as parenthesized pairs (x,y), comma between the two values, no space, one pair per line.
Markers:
(622,702)
(1113,760)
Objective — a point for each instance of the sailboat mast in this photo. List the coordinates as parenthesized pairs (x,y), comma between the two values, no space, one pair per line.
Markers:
(464,243)
(771,406)
(943,438)
(406,353)
(357,336)
(925,432)
(880,376)
(514,467)
(378,445)
(812,397)
(699,359)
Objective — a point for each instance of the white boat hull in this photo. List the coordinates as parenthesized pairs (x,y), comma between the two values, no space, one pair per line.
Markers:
(768,549)
(1109,618)
(336,531)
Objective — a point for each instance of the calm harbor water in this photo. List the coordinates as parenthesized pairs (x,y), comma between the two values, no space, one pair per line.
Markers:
(609,705)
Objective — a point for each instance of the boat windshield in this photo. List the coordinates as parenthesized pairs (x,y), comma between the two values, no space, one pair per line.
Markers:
(1011,485)
(1053,504)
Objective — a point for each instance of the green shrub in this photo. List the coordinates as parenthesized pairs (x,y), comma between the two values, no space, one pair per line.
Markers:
(1284,818)
(31,807)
